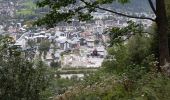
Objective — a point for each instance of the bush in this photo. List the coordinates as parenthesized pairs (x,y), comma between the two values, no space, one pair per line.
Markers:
(55,64)
(20,78)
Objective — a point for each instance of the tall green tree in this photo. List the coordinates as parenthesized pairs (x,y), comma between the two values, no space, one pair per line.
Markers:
(167,2)
(83,8)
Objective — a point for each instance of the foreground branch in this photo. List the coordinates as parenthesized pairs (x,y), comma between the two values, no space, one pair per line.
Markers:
(121,14)
(152,6)
(118,13)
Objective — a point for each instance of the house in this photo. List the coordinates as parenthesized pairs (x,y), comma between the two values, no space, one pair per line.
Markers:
(75,42)
(63,43)
(90,42)
(99,29)
(99,22)
(60,28)
(73,34)
(101,51)
(21,43)
(39,38)
(59,33)
(57,56)
(70,28)
(86,34)
(105,38)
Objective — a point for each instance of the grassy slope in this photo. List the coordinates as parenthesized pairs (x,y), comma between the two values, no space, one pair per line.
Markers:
(29,8)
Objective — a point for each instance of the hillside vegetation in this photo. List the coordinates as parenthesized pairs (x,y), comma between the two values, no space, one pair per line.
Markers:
(132,76)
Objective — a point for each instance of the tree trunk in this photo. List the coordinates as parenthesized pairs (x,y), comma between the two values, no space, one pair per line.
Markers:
(167,4)
(162,24)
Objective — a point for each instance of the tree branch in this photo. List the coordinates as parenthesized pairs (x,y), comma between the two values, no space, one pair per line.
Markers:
(152,6)
(125,15)
(118,13)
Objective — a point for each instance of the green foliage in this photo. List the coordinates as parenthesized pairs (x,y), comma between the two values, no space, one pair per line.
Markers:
(31,43)
(126,78)
(150,87)
(155,90)
(28,8)
(130,57)
(55,64)
(60,85)
(20,78)
(25,12)
(120,55)
(67,52)
(119,35)
(94,77)
(139,48)
(44,47)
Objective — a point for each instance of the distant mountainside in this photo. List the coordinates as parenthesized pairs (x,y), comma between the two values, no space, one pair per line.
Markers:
(134,5)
